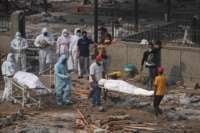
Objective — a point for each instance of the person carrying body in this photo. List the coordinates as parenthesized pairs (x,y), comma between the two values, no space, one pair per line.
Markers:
(96,73)
(160,90)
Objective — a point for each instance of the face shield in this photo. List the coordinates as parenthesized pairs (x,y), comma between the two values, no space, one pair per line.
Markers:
(45,31)
(18,35)
(10,57)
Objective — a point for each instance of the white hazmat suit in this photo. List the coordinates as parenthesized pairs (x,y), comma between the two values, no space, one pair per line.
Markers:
(8,70)
(73,50)
(63,42)
(18,47)
(45,42)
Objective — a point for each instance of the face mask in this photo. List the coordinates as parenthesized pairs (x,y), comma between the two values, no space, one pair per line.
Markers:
(100,63)
(78,34)
(18,37)
(66,34)
(149,49)
(45,34)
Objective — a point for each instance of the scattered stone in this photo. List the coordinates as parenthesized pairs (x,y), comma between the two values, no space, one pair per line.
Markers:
(59,126)
(195,99)
(184,100)
(135,131)
(101,109)
(35,130)
(174,116)
(99,130)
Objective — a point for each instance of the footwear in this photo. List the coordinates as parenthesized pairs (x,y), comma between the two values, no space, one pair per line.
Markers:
(80,77)
(101,108)
(59,103)
(68,103)
(160,111)
(87,77)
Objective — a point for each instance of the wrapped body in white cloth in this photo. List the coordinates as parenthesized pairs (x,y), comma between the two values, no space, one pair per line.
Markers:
(124,87)
(30,81)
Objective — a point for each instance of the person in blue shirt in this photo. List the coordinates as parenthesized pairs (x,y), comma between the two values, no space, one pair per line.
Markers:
(84,53)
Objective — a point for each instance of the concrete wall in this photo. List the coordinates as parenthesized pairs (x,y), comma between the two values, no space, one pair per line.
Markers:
(5,39)
(16,23)
(179,62)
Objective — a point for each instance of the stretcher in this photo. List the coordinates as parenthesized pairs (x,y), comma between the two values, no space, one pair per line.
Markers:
(27,95)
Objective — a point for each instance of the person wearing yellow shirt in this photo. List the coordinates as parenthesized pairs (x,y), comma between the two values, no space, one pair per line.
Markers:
(160,90)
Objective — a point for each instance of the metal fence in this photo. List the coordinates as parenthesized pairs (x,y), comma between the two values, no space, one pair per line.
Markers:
(4,23)
(174,32)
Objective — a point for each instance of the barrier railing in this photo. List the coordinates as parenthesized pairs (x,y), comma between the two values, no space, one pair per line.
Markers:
(4,23)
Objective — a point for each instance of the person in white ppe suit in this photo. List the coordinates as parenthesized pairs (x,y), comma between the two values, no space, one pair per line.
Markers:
(63,42)
(8,70)
(18,47)
(45,42)
(73,51)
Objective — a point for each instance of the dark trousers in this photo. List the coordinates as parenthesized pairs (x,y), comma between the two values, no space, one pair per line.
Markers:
(152,74)
(156,103)
(95,94)
(84,65)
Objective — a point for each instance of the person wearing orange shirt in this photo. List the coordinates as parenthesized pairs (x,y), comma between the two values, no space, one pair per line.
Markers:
(160,90)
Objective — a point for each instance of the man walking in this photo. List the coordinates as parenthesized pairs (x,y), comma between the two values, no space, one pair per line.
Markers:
(62,81)
(160,90)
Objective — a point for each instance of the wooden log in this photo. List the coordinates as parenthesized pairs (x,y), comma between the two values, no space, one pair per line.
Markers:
(139,127)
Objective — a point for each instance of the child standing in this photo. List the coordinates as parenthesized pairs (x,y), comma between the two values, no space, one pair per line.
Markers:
(160,90)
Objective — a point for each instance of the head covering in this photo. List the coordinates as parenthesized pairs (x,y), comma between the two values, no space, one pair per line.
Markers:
(10,57)
(44,30)
(18,34)
(76,30)
(99,58)
(160,69)
(65,33)
(62,59)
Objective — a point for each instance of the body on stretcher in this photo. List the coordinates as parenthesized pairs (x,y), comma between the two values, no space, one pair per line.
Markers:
(122,87)
(27,90)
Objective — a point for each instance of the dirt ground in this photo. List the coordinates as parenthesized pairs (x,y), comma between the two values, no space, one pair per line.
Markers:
(177,116)
(122,113)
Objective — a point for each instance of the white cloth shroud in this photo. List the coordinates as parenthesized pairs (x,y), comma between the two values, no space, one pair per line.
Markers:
(31,81)
(124,87)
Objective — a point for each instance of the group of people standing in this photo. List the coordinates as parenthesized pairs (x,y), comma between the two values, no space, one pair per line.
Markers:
(72,54)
